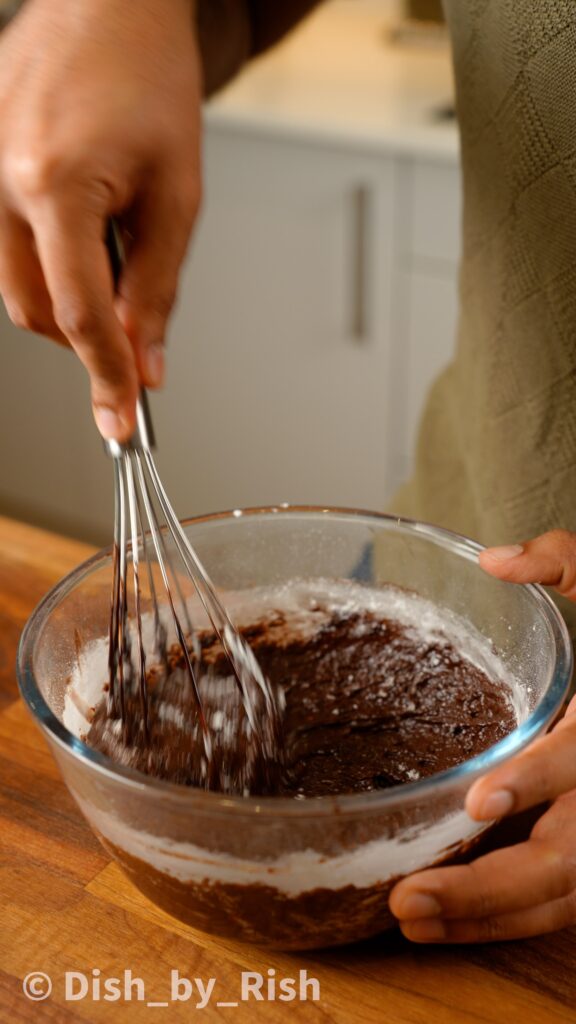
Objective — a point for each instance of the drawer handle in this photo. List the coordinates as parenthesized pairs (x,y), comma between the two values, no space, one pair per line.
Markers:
(359,325)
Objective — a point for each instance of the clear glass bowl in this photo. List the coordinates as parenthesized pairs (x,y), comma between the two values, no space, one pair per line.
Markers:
(276,871)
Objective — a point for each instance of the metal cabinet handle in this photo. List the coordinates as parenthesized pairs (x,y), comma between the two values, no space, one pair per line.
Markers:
(359,319)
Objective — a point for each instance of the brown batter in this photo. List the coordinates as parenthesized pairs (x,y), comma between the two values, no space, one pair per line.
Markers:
(263,915)
(368,705)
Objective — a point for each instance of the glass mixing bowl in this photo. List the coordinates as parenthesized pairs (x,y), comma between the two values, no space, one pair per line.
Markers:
(273,870)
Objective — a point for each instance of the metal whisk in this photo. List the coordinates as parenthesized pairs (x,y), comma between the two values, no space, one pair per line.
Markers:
(145,526)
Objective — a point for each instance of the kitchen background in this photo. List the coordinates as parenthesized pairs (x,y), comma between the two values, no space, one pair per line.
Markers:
(317,303)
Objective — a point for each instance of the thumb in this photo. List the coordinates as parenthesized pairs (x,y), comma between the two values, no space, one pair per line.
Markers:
(549,559)
(160,226)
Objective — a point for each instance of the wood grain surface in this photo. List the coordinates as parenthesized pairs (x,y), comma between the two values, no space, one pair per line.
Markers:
(66,907)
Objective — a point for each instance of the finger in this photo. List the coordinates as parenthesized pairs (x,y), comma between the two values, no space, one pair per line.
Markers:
(549,559)
(78,275)
(22,283)
(520,924)
(160,224)
(514,878)
(545,770)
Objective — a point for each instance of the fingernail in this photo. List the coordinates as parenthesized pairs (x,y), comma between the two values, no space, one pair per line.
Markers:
(504,553)
(426,930)
(419,904)
(497,804)
(154,364)
(109,423)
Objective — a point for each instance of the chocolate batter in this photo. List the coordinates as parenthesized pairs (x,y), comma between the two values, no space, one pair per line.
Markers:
(263,915)
(369,704)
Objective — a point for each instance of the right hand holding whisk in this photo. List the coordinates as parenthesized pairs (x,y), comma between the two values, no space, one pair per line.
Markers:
(99,116)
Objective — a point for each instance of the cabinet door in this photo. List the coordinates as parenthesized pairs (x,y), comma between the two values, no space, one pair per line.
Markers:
(54,471)
(428,196)
(278,370)
(429,332)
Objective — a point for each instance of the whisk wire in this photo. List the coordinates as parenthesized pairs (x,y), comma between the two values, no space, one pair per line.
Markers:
(140,503)
(113,646)
(122,611)
(132,509)
(156,537)
(245,667)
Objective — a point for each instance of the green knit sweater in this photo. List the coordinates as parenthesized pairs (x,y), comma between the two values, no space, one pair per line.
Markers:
(496,456)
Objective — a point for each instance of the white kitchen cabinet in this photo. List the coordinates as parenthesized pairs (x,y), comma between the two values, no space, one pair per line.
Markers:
(425,303)
(279,372)
(313,318)
(433,209)
(53,469)
(429,319)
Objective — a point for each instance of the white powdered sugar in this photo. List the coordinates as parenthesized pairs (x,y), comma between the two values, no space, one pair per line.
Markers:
(292,873)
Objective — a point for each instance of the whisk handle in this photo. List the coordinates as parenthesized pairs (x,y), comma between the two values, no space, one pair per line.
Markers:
(143,437)
(115,249)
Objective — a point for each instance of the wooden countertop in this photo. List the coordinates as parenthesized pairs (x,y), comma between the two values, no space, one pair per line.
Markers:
(66,907)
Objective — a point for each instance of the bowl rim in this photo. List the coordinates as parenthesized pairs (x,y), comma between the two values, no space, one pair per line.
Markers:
(350,804)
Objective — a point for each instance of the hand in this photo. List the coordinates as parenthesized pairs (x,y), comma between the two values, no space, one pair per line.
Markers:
(530,888)
(99,115)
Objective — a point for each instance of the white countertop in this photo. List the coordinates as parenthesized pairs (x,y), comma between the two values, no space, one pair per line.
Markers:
(339,78)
